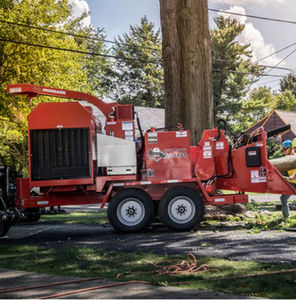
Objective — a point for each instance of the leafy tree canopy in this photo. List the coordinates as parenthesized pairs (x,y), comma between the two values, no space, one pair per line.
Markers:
(233,71)
(22,63)
(289,83)
(139,80)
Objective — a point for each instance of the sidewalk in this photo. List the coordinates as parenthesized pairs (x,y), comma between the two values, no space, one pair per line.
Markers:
(14,279)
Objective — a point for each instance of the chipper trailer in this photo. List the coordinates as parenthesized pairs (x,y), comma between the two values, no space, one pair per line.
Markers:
(73,159)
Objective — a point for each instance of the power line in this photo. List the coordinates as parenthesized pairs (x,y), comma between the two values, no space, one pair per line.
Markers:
(118,57)
(278,51)
(76,51)
(253,16)
(248,73)
(282,61)
(71,34)
(265,66)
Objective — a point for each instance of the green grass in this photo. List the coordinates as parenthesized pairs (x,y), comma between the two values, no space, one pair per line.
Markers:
(77,217)
(89,262)
(261,222)
(266,217)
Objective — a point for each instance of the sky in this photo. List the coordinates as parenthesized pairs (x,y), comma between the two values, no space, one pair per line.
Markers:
(265,37)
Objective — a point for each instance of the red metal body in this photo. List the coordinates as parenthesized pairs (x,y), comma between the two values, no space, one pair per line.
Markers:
(58,116)
(116,115)
(167,159)
(167,155)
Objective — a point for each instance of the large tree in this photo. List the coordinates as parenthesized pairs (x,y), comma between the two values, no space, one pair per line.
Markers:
(233,71)
(187,65)
(139,78)
(20,63)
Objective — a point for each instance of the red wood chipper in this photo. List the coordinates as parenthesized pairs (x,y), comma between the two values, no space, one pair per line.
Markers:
(74,160)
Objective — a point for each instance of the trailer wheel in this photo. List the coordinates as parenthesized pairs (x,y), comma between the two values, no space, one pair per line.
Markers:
(130,210)
(181,208)
(4,227)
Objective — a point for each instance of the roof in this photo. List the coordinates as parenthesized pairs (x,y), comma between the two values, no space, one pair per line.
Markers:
(288,117)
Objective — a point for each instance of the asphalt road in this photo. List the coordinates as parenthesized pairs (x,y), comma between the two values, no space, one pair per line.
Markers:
(272,246)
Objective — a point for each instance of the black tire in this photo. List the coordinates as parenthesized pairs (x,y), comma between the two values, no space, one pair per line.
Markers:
(130,210)
(4,229)
(181,208)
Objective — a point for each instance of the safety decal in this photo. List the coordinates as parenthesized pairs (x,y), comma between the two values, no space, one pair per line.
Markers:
(207,154)
(127,125)
(220,200)
(129,133)
(152,138)
(181,133)
(207,150)
(256,178)
(15,90)
(220,146)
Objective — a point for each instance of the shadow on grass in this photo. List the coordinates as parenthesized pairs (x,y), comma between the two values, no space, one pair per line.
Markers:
(89,262)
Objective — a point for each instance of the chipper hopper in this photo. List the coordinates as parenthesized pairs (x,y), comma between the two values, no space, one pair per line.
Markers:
(73,159)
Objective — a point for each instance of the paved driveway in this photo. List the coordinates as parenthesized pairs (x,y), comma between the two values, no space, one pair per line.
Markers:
(272,246)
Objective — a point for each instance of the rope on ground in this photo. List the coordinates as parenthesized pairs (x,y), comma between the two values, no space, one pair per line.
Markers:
(185,267)
(165,267)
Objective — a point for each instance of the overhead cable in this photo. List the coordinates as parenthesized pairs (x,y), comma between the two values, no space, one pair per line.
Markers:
(75,51)
(121,57)
(278,51)
(71,34)
(282,61)
(248,73)
(253,16)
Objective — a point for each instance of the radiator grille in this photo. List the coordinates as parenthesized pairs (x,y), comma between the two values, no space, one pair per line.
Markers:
(60,153)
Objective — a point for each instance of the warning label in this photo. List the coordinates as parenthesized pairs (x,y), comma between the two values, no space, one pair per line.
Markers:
(256,178)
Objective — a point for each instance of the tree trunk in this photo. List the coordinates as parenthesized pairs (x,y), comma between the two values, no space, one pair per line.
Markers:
(285,163)
(187,65)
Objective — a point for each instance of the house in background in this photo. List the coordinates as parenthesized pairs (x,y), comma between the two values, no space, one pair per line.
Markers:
(276,120)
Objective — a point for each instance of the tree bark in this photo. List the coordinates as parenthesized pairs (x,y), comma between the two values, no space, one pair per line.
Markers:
(285,163)
(187,65)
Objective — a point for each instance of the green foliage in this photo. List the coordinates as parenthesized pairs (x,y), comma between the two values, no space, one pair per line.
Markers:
(263,218)
(98,69)
(285,101)
(261,102)
(140,80)
(40,66)
(274,149)
(230,55)
(288,84)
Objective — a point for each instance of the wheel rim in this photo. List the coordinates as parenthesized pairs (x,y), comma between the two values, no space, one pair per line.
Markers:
(130,212)
(181,209)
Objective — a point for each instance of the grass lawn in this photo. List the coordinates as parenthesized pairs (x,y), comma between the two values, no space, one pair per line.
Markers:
(99,217)
(88,262)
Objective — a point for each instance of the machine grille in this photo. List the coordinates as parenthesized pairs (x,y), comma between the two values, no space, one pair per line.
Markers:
(60,153)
